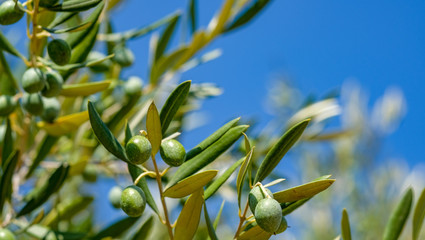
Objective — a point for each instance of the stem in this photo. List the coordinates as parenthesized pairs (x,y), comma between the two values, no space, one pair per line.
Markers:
(149,173)
(242,219)
(164,205)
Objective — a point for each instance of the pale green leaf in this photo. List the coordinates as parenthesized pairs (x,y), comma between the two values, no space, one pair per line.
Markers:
(254,233)
(153,127)
(188,220)
(345,226)
(65,124)
(399,217)
(307,190)
(190,184)
(418,216)
(242,172)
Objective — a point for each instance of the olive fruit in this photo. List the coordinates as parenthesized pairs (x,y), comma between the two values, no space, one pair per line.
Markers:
(33,80)
(172,152)
(59,51)
(138,149)
(6,234)
(133,86)
(90,173)
(53,84)
(283,226)
(47,3)
(123,56)
(255,195)
(33,103)
(7,105)
(133,201)
(100,67)
(268,215)
(115,196)
(51,109)
(9,14)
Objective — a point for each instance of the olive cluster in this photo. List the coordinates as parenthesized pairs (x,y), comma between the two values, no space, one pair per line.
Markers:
(267,211)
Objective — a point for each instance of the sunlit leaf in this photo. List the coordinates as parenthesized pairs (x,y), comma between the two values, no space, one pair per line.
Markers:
(210,227)
(84,89)
(190,184)
(217,219)
(222,18)
(398,217)
(188,220)
(69,29)
(144,230)
(153,126)
(43,151)
(345,226)
(307,190)
(65,124)
(165,63)
(247,15)
(66,210)
(165,37)
(241,174)
(418,216)
(62,18)
(254,233)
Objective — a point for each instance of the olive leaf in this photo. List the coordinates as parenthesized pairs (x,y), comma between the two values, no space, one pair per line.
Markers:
(418,216)
(165,63)
(8,169)
(199,40)
(173,103)
(62,18)
(222,18)
(128,133)
(345,226)
(217,219)
(288,208)
(247,15)
(193,15)
(399,217)
(116,229)
(190,184)
(84,89)
(8,47)
(153,126)
(144,230)
(279,150)
(7,144)
(307,190)
(43,151)
(74,5)
(65,124)
(254,233)
(77,28)
(165,37)
(211,139)
(210,227)
(188,220)
(8,83)
(208,155)
(242,172)
(66,210)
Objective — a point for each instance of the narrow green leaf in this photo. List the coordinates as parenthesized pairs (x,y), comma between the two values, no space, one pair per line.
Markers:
(345,226)
(398,217)
(214,186)
(84,89)
(307,190)
(165,37)
(279,150)
(62,18)
(6,178)
(128,133)
(241,174)
(153,126)
(247,15)
(123,112)
(190,184)
(193,15)
(256,233)
(217,219)
(165,63)
(188,220)
(288,208)
(211,139)
(82,50)
(77,28)
(105,136)
(116,229)
(8,47)
(43,151)
(222,18)
(173,103)
(210,227)
(418,216)
(8,83)
(208,155)
(74,5)
(144,230)
(66,210)
(7,143)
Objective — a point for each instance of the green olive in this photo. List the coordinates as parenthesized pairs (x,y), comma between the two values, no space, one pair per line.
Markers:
(6,234)
(33,103)
(138,149)
(90,173)
(54,82)
(133,201)
(255,195)
(115,196)
(100,67)
(133,86)
(59,51)
(51,109)
(283,226)
(268,215)
(33,80)
(123,56)
(9,14)
(7,105)
(172,152)
(47,3)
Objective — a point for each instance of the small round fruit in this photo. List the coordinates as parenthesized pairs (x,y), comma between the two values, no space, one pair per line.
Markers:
(51,109)
(33,80)
(138,149)
(100,67)
(133,201)
(90,173)
(172,152)
(268,215)
(123,56)
(283,226)
(47,3)
(255,195)
(6,234)
(59,51)
(7,105)
(133,86)
(9,14)
(54,82)
(115,196)
(33,103)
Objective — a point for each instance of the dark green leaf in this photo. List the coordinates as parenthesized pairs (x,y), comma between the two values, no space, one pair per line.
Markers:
(7,143)
(82,50)
(247,15)
(128,133)
(208,155)
(345,226)
(8,47)
(279,150)
(398,217)
(116,229)
(144,230)
(193,15)
(153,126)
(242,172)
(290,207)
(135,172)
(211,139)
(418,216)
(62,19)
(69,29)
(123,112)
(43,151)
(8,83)
(66,210)
(210,227)
(171,106)
(74,5)
(6,178)
(165,37)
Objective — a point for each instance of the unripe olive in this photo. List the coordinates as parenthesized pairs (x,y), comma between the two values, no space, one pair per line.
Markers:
(115,196)
(33,103)
(6,234)
(33,80)
(138,149)
(268,215)
(9,14)
(123,56)
(100,67)
(51,109)
(133,201)
(59,51)
(133,86)
(283,226)
(90,173)
(172,152)
(47,3)
(54,82)
(7,105)
(255,195)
